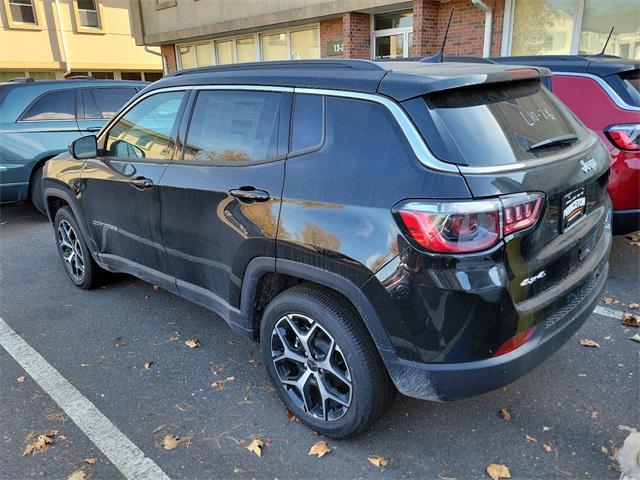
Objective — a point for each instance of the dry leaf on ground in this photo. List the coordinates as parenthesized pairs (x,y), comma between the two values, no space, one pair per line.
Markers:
(498,471)
(56,417)
(39,443)
(169,442)
(156,287)
(547,447)
(634,305)
(504,414)
(378,461)
(90,460)
(216,369)
(530,438)
(256,446)
(585,342)
(290,416)
(630,320)
(319,449)
(635,240)
(604,450)
(594,414)
(219,384)
(120,342)
(610,300)
(192,343)
(147,365)
(77,475)
(20,379)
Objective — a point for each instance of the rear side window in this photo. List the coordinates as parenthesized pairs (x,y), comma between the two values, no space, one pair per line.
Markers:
(307,130)
(631,82)
(109,100)
(498,124)
(57,105)
(233,128)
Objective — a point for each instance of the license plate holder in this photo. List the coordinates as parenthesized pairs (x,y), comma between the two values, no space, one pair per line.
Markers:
(574,206)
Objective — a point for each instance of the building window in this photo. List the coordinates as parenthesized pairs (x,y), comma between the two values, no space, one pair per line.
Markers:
(305,44)
(548,27)
(224,52)
(393,35)
(274,47)
(22,12)
(88,13)
(245,50)
(192,56)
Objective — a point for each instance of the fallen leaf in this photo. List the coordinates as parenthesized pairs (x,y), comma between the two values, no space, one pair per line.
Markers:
(545,429)
(84,365)
(219,384)
(156,287)
(40,444)
(56,417)
(610,300)
(530,438)
(547,447)
(505,415)
(120,342)
(216,369)
(594,414)
(147,365)
(192,343)
(635,240)
(635,338)
(169,442)
(20,379)
(378,461)
(90,460)
(585,342)
(290,416)
(185,407)
(633,306)
(604,450)
(319,449)
(77,475)
(256,446)
(497,471)
(630,320)
(62,438)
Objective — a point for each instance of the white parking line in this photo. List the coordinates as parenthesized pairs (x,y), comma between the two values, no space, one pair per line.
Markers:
(608,312)
(115,445)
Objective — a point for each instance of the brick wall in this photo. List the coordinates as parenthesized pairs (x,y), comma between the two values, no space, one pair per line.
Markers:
(169,57)
(357,35)
(425,24)
(331,31)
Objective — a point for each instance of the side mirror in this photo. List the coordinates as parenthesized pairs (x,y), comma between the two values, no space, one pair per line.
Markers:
(84,147)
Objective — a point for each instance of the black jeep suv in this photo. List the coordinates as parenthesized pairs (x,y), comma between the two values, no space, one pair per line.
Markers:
(439,229)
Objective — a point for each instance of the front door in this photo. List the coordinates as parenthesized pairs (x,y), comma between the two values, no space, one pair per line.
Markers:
(119,192)
(221,197)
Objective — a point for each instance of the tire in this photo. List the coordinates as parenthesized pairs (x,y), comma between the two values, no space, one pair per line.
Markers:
(77,261)
(37,195)
(308,318)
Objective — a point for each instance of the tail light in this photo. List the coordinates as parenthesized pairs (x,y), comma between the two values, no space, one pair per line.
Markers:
(469,226)
(624,137)
(515,342)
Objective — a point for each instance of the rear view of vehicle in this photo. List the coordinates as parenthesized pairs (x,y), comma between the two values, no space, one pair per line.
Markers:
(604,92)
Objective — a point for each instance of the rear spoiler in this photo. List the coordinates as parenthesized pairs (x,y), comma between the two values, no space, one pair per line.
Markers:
(427,78)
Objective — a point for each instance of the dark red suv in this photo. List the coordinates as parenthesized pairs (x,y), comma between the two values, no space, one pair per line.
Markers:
(604,92)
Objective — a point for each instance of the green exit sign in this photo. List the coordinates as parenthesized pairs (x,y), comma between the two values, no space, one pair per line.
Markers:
(334,48)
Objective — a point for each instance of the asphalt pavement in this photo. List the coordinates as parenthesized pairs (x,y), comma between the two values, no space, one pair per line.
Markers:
(577,403)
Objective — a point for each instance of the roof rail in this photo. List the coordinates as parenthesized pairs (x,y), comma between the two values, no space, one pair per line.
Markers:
(21,80)
(80,77)
(354,64)
(461,58)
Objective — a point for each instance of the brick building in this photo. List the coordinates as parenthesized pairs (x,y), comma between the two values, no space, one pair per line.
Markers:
(195,33)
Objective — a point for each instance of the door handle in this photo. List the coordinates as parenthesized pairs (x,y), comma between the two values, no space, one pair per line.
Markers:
(249,194)
(141,183)
(92,129)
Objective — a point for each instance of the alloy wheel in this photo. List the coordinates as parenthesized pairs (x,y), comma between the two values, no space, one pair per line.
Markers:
(311,367)
(71,250)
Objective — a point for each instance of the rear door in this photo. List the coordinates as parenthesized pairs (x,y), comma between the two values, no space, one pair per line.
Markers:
(97,105)
(221,197)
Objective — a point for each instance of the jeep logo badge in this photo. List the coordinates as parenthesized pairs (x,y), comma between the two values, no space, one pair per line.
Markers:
(588,165)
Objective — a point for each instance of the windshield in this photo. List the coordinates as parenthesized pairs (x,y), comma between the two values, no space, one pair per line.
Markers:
(500,124)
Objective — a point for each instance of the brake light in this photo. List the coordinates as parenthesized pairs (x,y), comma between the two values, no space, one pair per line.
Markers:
(515,342)
(469,226)
(624,137)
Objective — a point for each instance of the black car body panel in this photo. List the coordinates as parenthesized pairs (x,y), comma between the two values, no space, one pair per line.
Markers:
(328,212)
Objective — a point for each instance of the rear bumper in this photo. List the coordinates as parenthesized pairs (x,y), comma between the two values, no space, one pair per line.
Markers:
(626,221)
(459,380)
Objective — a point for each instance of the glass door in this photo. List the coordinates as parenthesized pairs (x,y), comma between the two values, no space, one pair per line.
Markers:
(393,35)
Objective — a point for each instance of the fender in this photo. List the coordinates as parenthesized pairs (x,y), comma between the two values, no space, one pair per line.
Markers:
(261,265)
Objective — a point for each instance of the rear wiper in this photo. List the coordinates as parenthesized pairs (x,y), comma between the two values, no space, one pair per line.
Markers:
(570,138)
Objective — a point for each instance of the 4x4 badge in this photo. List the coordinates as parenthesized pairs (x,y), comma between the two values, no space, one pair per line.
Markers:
(588,165)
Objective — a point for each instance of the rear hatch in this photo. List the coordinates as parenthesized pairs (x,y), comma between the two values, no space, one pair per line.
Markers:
(516,137)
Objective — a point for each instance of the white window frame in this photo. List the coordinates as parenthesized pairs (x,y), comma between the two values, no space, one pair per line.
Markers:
(96,10)
(391,31)
(256,44)
(507,28)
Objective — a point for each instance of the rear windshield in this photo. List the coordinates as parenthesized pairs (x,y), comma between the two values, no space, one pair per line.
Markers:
(499,124)
(631,82)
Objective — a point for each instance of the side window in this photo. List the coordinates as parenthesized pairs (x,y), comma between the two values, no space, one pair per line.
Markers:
(110,100)
(232,127)
(145,130)
(308,122)
(90,107)
(57,105)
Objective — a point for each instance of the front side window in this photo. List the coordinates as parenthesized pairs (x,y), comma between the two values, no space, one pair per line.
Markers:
(145,130)
(88,13)
(58,105)
(22,11)
(233,128)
